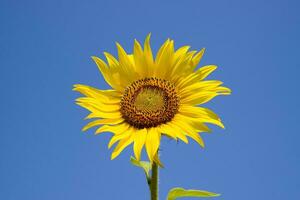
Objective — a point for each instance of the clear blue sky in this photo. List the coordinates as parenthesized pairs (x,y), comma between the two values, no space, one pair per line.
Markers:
(45,47)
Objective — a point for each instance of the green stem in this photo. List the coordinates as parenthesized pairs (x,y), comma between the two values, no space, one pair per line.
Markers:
(154,182)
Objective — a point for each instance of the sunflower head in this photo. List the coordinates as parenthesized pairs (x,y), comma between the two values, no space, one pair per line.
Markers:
(151,97)
(149,102)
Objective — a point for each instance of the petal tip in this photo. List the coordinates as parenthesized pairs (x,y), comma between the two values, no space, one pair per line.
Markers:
(113,156)
(94,58)
(148,36)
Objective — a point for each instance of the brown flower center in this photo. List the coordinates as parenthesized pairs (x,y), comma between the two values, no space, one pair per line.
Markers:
(149,102)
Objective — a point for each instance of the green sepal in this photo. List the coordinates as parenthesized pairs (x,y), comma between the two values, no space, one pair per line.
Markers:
(146,166)
(175,193)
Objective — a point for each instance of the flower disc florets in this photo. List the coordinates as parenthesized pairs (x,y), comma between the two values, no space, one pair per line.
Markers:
(149,102)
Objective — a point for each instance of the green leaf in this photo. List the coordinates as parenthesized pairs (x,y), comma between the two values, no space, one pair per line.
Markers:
(181,192)
(146,166)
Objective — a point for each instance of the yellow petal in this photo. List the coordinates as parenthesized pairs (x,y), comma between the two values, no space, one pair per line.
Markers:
(199,126)
(165,130)
(160,51)
(201,114)
(116,129)
(164,63)
(194,111)
(98,113)
(106,96)
(195,122)
(148,51)
(190,131)
(222,90)
(98,104)
(139,59)
(181,68)
(152,142)
(127,66)
(204,71)
(180,52)
(101,122)
(125,63)
(197,58)
(139,141)
(111,60)
(209,85)
(125,132)
(199,75)
(131,59)
(199,98)
(122,145)
(173,131)
(105,71)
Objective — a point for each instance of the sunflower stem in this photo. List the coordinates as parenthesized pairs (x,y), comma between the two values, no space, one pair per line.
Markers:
(154,182)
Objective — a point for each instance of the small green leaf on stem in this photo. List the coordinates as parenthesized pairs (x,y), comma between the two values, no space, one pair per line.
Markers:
(146,166)
(181,192)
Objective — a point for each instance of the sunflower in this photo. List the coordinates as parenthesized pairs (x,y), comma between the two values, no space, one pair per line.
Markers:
(151,97)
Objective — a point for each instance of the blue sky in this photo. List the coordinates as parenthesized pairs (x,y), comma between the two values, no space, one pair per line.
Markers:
(45,48)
